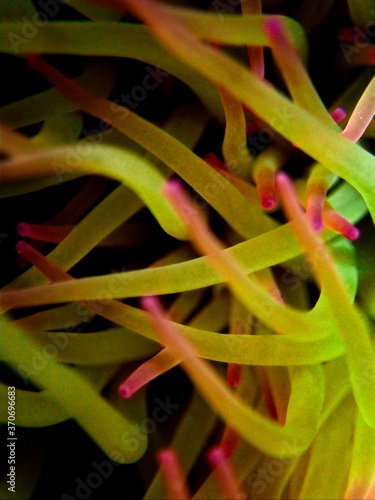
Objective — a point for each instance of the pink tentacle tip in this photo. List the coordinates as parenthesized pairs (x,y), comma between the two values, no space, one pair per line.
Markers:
(282,181)
(23,229)
(175,192)
(269,201)
(339,114)
(29,254)
(216,456)
(173,475)
(227,479)
(124,391)
(166,456)
(273,28)
(173,188)
(150,303)
(352,233)
(22,247)
(333,220)
(265,182)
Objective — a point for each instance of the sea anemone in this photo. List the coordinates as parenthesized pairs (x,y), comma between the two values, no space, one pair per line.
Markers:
(191,187)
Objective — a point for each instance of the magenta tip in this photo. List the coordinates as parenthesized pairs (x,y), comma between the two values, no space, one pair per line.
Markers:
(234,382)
(273,27)
(149,302)
(164,455)
(269,201)
(216,456)
(20,246)
(339,114)
(125,392)
(352,233)
(23,229)
(282,180)
(172,187)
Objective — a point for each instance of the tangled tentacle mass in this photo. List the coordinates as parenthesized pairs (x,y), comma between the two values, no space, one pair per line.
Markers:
(187,271)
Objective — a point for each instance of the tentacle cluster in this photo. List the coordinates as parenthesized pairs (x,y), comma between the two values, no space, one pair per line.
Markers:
(241,224)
